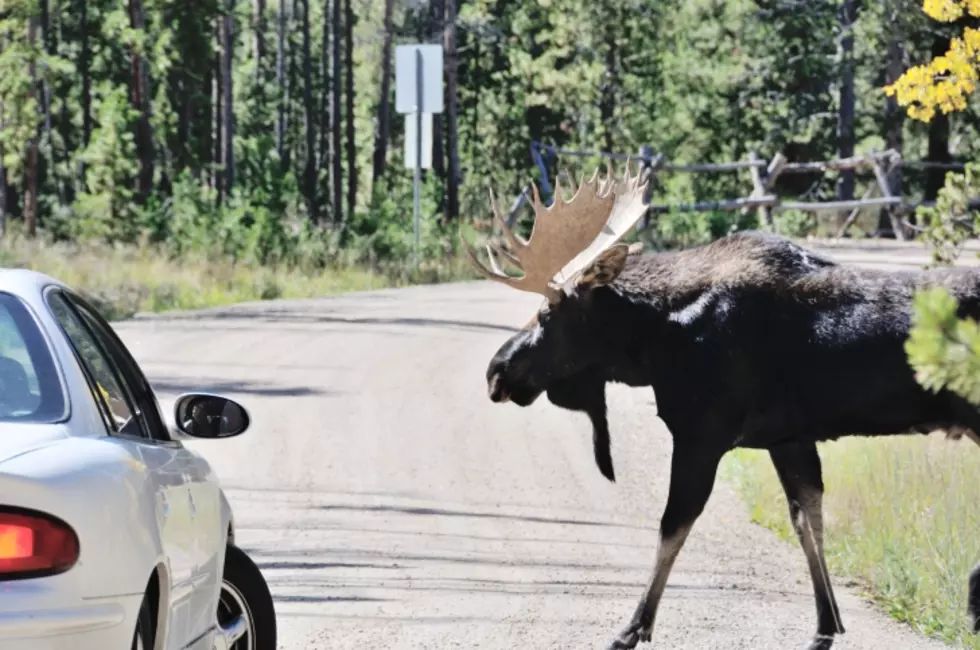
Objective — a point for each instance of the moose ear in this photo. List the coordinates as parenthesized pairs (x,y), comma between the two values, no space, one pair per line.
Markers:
(605,268)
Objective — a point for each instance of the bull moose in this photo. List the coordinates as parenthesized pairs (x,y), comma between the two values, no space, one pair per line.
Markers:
(750,341)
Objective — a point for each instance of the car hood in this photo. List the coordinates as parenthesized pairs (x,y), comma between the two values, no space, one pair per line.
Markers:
(18,439)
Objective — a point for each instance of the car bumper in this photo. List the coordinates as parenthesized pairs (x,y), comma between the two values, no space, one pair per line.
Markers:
(97,625)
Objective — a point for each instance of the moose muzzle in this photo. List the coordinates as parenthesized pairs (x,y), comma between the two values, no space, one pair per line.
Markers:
(496,390)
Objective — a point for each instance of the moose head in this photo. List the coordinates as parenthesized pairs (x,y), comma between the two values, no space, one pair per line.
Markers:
(571,258)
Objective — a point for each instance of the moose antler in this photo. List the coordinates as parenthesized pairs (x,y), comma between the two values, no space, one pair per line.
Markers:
(568,235)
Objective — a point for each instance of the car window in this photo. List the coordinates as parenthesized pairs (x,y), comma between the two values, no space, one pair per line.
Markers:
(138,387)
(30,387)
(107,385)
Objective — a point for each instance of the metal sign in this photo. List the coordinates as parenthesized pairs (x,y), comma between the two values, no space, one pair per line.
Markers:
(411,93)
(418,94)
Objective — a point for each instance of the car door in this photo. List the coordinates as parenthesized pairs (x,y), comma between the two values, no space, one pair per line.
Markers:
(186,495)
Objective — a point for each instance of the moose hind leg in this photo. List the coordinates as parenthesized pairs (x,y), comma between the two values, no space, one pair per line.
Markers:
(968,423)
(692,477)
(799,471)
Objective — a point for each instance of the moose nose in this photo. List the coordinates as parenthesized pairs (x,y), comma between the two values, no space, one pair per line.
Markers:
(495,387)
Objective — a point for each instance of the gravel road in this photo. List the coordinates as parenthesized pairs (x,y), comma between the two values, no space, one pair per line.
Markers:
(390,504)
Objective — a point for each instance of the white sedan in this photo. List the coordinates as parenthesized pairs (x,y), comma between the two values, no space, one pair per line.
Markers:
(113,534)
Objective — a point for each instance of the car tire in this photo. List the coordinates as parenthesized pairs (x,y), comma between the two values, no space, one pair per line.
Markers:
(244,592)
(143,637)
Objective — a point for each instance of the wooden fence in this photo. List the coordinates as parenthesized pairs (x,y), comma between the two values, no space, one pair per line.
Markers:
(879,194)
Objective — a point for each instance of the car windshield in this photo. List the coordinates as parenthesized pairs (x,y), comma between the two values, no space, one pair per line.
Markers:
(29,386)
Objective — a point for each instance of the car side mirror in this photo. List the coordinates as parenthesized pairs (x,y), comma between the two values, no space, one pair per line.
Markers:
(201,415)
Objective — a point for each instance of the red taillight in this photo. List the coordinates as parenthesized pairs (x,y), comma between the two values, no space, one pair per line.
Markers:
(33,544)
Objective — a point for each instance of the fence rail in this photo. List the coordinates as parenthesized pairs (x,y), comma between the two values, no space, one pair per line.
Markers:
(763,176)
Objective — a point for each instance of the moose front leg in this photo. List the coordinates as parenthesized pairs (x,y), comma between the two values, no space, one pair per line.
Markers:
(692,477)
(799,470)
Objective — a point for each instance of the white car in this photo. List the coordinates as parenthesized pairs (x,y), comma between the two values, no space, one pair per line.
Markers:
(113,534)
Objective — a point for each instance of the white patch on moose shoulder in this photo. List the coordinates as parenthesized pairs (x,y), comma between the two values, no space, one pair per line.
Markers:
(534,335)
(693,311)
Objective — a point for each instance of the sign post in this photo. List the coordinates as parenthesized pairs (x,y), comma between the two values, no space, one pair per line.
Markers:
(418,94)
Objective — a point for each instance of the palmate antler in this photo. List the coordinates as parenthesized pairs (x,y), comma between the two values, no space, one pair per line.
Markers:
(568,235)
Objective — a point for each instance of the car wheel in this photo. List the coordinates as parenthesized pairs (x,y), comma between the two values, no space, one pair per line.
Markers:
(246,614)
(143,636)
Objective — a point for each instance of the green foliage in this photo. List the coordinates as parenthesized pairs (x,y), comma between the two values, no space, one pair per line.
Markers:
(686,228)
(944,350)
(105,209)
(794,223)
(951,222)
(19,117)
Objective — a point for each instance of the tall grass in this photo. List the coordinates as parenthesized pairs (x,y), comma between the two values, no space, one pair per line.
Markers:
(901,519)
(125,279)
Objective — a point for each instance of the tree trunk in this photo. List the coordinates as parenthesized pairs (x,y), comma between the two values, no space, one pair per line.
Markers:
(452,187)
(258,18)
(228,132)
(30,172)
(48,40)
(349,79)
(326,94)
(85,63)
(607,102)
(282,82)
(894,115)
(140,81)
(217,116)
(309,170)
(3,173)
(437,25)
(336,99)
(205,126)
(938,137)
(845,117)
(384,100)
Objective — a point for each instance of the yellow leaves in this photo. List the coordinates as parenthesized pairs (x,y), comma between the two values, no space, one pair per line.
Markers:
(944,83)
(946,11)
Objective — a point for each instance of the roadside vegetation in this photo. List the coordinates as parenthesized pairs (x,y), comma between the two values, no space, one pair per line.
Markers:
(124,279)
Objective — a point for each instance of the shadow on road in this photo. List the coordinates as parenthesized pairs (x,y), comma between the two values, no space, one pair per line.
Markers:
(288,316)
(179,385)
(304,598)
(412,510)
(285,564)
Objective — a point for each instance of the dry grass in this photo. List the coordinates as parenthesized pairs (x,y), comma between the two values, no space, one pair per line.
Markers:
(124,280)
(901,520)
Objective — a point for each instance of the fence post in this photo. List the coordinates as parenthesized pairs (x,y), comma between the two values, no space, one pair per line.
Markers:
(646,167)
(882,177)
(759,189)
(545,187)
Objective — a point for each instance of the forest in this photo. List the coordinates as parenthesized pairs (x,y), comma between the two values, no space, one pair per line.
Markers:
(264,131)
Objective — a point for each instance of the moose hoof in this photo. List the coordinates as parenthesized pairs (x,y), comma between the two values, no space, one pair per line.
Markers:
(821,642)
(630,637)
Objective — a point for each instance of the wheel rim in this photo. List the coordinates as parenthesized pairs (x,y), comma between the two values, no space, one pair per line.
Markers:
(231,605)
